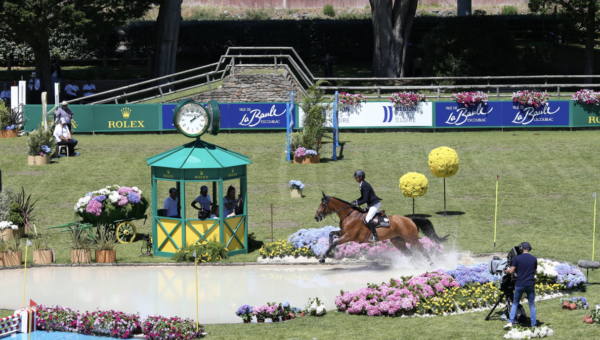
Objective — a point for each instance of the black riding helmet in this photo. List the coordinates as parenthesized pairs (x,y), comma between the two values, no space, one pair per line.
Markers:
(359,173)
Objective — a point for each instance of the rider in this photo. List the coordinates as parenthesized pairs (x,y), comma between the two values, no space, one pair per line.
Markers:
(367,195)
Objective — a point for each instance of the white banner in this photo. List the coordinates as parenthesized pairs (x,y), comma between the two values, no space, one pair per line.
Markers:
(380,115)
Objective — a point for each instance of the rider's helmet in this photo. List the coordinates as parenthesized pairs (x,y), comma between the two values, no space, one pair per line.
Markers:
(359,173)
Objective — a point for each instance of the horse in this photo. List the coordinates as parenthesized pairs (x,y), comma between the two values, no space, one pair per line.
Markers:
(402,229)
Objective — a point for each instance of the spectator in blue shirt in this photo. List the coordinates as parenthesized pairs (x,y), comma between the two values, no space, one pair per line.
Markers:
(172,203)
(65,115)
(203,200)
(526,266)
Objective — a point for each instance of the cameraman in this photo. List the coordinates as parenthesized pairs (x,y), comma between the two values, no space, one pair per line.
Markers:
(526,266)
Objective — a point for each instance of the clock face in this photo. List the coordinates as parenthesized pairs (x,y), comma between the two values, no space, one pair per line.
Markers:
(192,119)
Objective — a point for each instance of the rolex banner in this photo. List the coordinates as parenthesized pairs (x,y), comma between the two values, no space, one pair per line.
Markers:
(134,117)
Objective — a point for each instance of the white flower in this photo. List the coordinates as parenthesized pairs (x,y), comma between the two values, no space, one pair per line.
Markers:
(104,191)
(8,225)
(114,197)
(137,190)
(320,310)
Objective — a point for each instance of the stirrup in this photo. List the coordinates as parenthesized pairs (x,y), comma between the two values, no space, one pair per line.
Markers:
(373,237)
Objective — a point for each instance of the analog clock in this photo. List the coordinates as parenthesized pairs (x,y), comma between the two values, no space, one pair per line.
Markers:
(191,118)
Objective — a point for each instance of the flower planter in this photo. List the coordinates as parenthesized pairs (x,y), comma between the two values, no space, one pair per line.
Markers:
(565,305)
(296,193)
(247,321)
(307,160)
(260,320)
(275,319)
(9,133)
(42,256)
(38,160)
(81,256)
(106,256)
(573,306)
(12,259)
(10,234)
(2,259)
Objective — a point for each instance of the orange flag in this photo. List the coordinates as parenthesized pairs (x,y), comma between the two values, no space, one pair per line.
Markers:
(32,303)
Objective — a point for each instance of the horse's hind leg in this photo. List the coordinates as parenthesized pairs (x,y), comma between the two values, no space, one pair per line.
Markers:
(419,246)
(399,243)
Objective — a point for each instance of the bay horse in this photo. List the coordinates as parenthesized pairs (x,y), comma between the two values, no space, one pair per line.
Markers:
(402,229)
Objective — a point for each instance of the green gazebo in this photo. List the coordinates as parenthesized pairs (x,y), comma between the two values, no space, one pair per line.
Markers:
(198,162)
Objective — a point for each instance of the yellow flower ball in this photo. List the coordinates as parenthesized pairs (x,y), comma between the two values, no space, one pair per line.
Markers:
(443,162)
(413,184)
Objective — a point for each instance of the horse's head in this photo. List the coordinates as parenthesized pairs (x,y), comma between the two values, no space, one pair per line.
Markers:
(324,208)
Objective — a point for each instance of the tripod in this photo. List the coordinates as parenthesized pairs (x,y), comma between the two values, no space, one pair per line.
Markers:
(508,296)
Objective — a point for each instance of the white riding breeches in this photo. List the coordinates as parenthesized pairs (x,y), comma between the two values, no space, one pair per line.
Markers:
(372,211)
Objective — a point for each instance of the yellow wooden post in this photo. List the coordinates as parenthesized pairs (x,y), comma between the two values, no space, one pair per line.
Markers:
(496,211)
(594,233)
(27,244)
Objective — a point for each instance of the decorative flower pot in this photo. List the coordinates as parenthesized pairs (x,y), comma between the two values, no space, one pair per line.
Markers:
(589,321)
(291,316)
(302,314)
(81,256)
(573,306)
(2,258)
(10,234)
(38,160)
(314,159)
(14,258)
(275,319)
(260,320)
(307,160)
(247,321)
(287,318)
(106,256)
(585,318)
(9,133)
(42,256)
(565,305)
(296,193)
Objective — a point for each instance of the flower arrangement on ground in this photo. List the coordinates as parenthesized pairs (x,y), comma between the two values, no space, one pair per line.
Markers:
(245,312)
(8,225)
(586,96)
(519,332)
(316,239)
(296,185)
(311,153)
(56,318)
(350,99)
(116,324)
(161,328)
(315,307)
(576,302)
(210,251)
(384,249)
(40,141)
(407,99)
(594,317)
(532,98)
(9,119)
(109,199)
(301,152)
(470,98)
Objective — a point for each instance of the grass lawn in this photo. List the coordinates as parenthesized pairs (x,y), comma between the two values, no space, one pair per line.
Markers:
(546,182)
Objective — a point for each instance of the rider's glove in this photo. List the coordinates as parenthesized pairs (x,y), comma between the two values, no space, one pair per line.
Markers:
(354,203)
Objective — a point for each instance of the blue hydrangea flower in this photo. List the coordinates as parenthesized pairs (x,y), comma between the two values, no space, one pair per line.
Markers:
(100,198)
(46,149)
(133,198)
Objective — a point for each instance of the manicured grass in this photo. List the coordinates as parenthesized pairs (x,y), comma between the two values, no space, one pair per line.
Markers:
(546,182)
(5,313)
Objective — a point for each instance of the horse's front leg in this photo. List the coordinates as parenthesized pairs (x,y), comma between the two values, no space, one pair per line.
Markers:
(334,233)
(326,253)
(342,238)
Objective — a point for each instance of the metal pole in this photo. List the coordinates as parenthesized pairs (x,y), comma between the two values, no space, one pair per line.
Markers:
(558,92)
(271,222)
(445,197)
(275,65)
(335,131)
(498,93)
(378,94)
(208,81)
(413,207)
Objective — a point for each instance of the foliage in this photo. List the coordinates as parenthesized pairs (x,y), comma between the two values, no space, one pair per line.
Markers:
(314,103)
(111,198)
(579,301)
(407,99)
(39,138)
(328,10)
(3,246)
(351,99)
(104,239)
(162,328)
(14,215)
(76,238)
(9,119)
(469,46)
(315,307)
(206,252)
(282,248)
(257,14)
(443,162)
(470,98)
(40,243)
(245,312)
(533,98)
(6,199)
(26,208)
(413,184)
(14,245)
(586,96)
(509,10)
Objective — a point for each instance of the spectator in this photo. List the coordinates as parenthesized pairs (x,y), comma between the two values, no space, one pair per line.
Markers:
(171,205)
(56,74)
(231,206)
(215,212)
(89,88)
(34,89)
(64,114)
(71,90)
(62,136)
(5,95)
(203,200)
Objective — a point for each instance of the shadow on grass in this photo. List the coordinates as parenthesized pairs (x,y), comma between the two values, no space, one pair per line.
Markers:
(450,213)
(253,243)
(417,215)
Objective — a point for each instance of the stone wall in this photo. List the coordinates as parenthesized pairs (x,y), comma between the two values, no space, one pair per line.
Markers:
(258,87)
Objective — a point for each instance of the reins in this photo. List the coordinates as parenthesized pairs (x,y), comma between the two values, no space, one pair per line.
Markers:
(337,212)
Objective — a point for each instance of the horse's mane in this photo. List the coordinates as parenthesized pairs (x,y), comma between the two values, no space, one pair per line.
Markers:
(350,204)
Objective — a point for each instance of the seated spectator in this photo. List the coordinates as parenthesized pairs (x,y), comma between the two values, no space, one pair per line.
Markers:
(71,90)
(215,212)
(34,89)
(89,88)
(64,114)
(231,206)
(171,204)
(5,95)
(62,136)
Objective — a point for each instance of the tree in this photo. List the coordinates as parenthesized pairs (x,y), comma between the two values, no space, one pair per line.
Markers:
(392,23)
(583,11)
(33,21)
(167,34)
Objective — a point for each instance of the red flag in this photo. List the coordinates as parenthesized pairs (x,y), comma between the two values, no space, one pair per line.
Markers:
(32,303)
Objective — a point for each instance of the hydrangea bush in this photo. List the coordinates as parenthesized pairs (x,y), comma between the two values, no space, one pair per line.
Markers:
(519,332)
(407,99)
(296,185)
(470,98)
(110,198)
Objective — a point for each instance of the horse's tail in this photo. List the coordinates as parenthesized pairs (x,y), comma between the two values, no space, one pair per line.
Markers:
(427,228)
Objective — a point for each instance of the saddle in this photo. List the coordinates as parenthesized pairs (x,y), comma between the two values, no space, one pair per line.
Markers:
(380,219)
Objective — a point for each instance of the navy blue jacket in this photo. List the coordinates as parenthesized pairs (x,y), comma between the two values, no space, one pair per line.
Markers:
(367,195)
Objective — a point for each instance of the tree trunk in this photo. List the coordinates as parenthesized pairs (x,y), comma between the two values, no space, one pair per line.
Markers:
(590,32)
(392,23)
(41,53)
(167,34)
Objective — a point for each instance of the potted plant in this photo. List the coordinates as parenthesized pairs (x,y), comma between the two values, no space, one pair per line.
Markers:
(3,246)
(350,101)
(304,156)
(470,98)
(9,122)
(13,255)
(9,230)
(260,312)
(17,209)
(40,144)
(80,244)
(296,189)
(245,312)
(406,100)
(106,243)
(314,104)
(530,98)
(42,254)
(586,96)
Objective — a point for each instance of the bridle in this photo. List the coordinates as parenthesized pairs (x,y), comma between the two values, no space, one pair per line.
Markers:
(323,215)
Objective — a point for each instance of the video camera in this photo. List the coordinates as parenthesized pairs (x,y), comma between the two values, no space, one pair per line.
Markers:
(498,266)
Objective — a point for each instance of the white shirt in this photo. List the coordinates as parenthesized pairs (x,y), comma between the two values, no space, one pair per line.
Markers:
(60,131)
(72,89)
(204,201)
(34,84)
(88,88)
(171,206)
(213,216)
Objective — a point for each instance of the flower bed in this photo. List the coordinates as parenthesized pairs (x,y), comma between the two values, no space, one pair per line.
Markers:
(470,98)
(519,332)
(566,275)
(355,100)
(115,324)
(384,249)
(531,98)
(586,97)
(407,99)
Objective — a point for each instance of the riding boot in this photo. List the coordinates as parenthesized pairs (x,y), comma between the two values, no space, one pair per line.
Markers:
(374,237)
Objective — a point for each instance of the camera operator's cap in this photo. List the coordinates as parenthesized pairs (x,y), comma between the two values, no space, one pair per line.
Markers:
(172,190)
(33,74)
(204,188)
(64,103)
(526,245)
